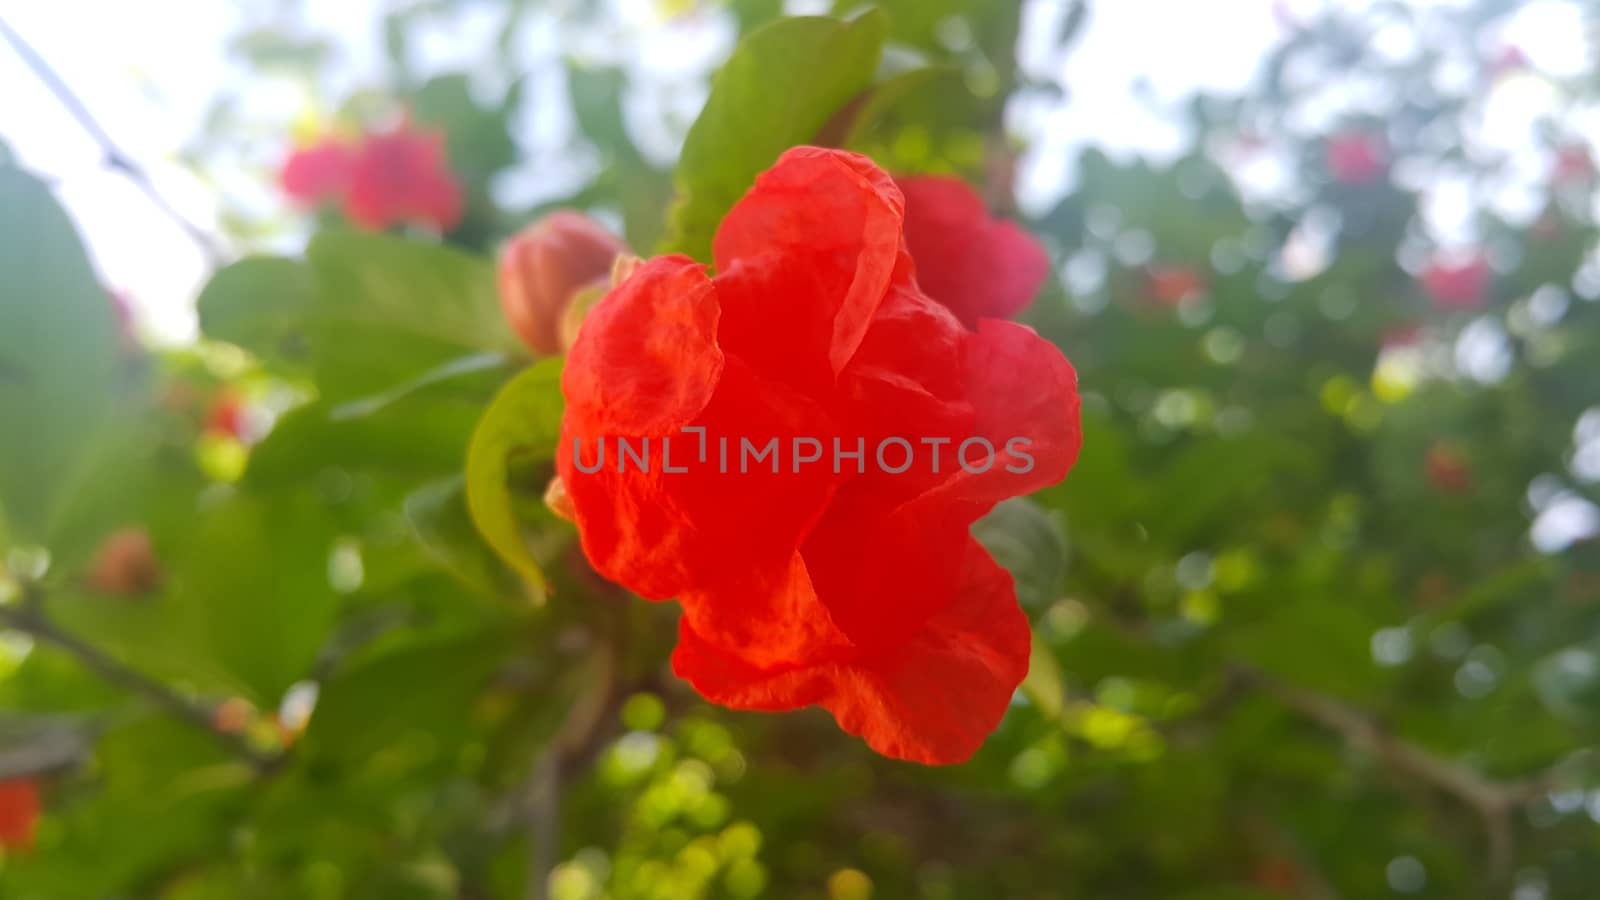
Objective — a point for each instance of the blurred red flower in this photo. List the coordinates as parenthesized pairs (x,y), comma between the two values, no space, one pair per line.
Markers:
(318,173)
(1457,285)
(1169,285)
(19,812)
(227,416)
(1573,165)
(385,179)
(545,266)
(979,266)
(850,585)
(1356,157)
(1447,468)
(402,177)
(1401,337)
(125,564)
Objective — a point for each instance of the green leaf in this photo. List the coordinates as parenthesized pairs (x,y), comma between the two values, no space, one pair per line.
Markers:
(439,516)
(782,84)
(61,360)
(1568,683)
(1044,686)
(923,120)
(362,314)
(525,420)
(252,594)
(1028,542)
(424,690)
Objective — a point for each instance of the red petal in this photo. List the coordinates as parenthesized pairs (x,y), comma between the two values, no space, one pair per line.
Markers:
(932,702)
(664,532)
(646,361)
(807,255)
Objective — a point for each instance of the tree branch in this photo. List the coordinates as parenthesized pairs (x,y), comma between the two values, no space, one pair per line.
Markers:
(567,751)
(30,619)
(115,158)
(1495,801)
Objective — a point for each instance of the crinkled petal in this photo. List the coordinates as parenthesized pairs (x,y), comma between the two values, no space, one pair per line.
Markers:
(1023,389)
(808,253)
(701,509)
(886,534)
(646,361)
(933,701)
(767,616)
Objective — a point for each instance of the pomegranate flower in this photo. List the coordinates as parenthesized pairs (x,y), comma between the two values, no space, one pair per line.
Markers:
(1355,157)
(818,436)
(979,266)
(318,173)
(401,177)
(1457,285)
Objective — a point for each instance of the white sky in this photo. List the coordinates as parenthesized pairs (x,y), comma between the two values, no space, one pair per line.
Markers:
(148,70)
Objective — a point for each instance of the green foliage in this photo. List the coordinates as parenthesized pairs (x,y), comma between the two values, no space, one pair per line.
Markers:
(61,363)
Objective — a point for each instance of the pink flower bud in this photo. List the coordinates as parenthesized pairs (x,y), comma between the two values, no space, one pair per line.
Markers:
(545,266)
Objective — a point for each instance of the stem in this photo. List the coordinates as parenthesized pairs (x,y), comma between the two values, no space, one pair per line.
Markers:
(1494,801)
(115,158)
(544,829)
(30,620)
(565,755)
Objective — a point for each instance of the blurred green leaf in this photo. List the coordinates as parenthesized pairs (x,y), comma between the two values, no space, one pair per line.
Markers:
(524,422)
(423,691)
(362,314)
(252,593)
(1568,683)
(1028,542)
(63,383)
(438,514)
(1044,686)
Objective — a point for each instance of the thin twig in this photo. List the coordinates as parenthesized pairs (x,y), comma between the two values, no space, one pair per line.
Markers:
(30,620)
(115,158)
(544,831)
(1495,801)
(567,750)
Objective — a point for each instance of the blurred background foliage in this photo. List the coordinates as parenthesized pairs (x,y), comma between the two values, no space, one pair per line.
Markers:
(1317,614)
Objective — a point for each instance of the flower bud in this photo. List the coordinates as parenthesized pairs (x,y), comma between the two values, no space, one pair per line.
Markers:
(125,564)
(545,266)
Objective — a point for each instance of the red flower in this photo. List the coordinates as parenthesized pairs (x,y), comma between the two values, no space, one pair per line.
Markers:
(1573,166)
(125,564)
(834,583)
(545,265)
(1355,157)
(1171,285)
(1448,470)
(19,812)
(227,417)
(1401,337)
(979,266)
(1457,285)
(318,173)
(402,177)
